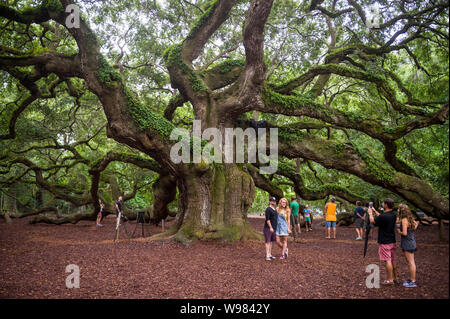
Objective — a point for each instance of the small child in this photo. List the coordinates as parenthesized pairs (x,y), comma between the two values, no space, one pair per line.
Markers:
(307,214)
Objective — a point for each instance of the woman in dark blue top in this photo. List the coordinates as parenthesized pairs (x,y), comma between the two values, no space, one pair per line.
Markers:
(407,228)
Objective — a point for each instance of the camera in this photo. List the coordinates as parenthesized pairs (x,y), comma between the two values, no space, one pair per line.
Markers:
(371,204)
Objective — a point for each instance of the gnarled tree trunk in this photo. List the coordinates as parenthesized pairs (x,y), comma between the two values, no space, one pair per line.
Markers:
(213,203)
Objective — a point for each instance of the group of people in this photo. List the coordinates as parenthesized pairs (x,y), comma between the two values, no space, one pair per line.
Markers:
(278,220)
(277,226)
(117,206)
(361,219)
(295,207)
(406,227)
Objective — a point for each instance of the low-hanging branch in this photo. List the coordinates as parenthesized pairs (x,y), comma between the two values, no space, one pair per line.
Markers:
(343,157)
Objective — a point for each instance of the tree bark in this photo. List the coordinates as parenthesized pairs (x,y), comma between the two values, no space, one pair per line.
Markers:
(213,203)
(164,192)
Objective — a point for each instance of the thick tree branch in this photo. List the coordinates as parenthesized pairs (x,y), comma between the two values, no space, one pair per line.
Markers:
(208,23)
(359,163)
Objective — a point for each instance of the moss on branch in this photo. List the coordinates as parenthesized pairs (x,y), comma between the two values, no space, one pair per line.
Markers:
(141,114)
(107,74)
(383,172)
(202,20)
(172,58)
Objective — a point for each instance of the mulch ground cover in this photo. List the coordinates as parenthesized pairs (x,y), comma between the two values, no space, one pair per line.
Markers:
(33,260)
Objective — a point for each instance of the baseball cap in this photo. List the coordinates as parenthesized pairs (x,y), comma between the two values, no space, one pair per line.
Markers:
(272,199)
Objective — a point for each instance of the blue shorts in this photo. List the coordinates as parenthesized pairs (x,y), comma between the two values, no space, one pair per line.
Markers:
(331,224)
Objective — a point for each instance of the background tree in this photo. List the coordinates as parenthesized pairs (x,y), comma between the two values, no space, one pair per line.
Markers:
(353,102)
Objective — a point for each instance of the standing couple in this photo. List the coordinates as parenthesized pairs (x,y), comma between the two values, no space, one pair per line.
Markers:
(277,226)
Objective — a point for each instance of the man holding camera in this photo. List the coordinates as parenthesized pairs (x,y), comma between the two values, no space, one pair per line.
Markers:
(386,237)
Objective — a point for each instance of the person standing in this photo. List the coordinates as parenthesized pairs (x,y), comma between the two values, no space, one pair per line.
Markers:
(283,226)
(294,206)
(329,213)
(367,223)
(307,214)
(270,225)
(100,213)
(359,220)
(386,238)
(407,228)
(118,206)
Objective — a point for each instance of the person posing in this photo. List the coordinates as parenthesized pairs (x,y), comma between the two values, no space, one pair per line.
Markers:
(118,205)
(330,217)
(294,206)
(270,225)
(407,229)
(100,213)
(307,214)
(283,226)
(359,220)
(386,238)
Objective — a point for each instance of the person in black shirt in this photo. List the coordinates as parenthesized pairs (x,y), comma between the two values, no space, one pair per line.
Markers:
(119,206)
(359,220)
(386,238)
(270,224)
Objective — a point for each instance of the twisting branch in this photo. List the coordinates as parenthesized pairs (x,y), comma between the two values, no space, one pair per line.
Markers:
(208,23)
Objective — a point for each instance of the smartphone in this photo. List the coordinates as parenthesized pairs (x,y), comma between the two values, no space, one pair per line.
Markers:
(371,204)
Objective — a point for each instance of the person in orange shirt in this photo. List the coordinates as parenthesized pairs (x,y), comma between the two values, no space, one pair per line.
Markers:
(329,212)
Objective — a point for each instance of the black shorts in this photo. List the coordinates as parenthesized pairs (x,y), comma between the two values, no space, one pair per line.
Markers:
(268,235)
(410,250)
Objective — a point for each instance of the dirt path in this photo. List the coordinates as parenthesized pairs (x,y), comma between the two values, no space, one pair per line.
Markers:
(33,259)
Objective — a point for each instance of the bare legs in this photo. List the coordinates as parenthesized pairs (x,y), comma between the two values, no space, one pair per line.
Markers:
(411,265)
(329,232)
(282,243)
(295,225)
(269,249)
(392,271)
(308,226)
(99,218)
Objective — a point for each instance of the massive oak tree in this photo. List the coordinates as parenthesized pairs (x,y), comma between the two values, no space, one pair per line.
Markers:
(319,71)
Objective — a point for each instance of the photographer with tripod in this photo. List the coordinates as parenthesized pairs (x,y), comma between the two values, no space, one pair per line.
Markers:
(119,214)
(118,206)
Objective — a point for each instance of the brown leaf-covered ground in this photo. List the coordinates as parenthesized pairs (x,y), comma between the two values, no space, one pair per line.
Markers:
(33,259)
